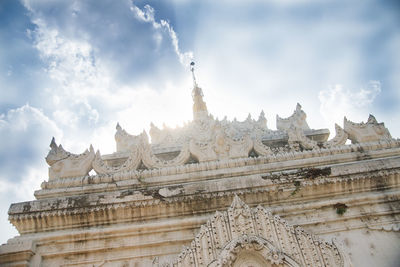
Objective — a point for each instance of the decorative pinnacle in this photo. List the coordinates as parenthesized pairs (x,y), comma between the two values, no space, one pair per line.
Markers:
(53,143)
(118,127)
(192,70)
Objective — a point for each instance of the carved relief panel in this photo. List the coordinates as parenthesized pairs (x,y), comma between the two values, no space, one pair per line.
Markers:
(242,236)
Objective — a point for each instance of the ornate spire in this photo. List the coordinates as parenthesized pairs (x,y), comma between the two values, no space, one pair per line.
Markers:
(199,106)
(194,77)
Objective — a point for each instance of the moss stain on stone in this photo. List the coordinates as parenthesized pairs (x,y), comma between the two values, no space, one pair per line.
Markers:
(341,208)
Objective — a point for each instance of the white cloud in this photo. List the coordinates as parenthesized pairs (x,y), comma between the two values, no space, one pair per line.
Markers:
(147,15)
(70,62)
(25,133)
(337,102)
(22,118)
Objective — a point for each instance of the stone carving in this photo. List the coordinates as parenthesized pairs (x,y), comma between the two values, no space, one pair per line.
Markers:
(252,251)
(242,235)
(281,157)
(125,141)
(298,120)
(139,151)
(150,160)
(297,137)
(339,139)
(64,164)
(168,137)
(247,127)
(207,139)
(260,148)
(131,163)
(199,106)
(366,132)
(220,147)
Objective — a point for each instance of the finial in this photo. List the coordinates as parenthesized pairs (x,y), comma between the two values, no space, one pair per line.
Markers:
(118,127)
(53,143)
(192,70)
(371,119)
(248,117)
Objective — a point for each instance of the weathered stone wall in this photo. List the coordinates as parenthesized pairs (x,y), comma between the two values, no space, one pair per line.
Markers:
(138,223)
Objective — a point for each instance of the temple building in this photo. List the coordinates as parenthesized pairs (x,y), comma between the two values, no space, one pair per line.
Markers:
(218,193)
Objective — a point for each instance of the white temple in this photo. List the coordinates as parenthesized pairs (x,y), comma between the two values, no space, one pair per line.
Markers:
(218,193)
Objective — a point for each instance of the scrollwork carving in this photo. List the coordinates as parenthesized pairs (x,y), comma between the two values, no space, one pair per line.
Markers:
(150,160)
(260,148)
(297,120)
(64,164)
(297,136)
(131,163)
(339,139)
(259,244)
(124,141)
(366,132)
(221,147)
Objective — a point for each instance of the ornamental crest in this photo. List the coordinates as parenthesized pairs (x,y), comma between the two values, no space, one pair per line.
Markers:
(242,236)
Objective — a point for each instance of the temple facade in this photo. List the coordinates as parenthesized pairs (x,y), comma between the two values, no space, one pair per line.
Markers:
(218,193)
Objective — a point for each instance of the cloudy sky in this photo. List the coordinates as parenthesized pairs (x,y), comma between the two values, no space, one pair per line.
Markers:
(73,69)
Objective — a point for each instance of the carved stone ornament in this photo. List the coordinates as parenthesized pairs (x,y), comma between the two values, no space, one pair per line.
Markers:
(150,160)
(366,132)
(125,141)
(221,147)
(131,163)
(260,148)
(199,106)
(133,160)
(298,120)
(297,137)
(140,151)
(242,236)
(339,139)
(64,164)
(206,139)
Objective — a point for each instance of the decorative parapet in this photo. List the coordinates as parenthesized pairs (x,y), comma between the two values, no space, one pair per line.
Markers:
(124,141)
(150,160)
(339,139)
(221,147)
(366,132)
(131,163)
(342,153)
(206,139)
(297,137)
(64,164)
(297,120)
(242,236)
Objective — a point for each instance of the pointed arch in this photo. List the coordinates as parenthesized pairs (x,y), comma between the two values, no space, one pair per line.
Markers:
(241,234)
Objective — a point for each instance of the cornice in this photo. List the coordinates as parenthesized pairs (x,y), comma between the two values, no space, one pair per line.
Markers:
(140,205)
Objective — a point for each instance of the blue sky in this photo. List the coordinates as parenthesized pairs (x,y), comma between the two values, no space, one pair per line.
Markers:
(73,69)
